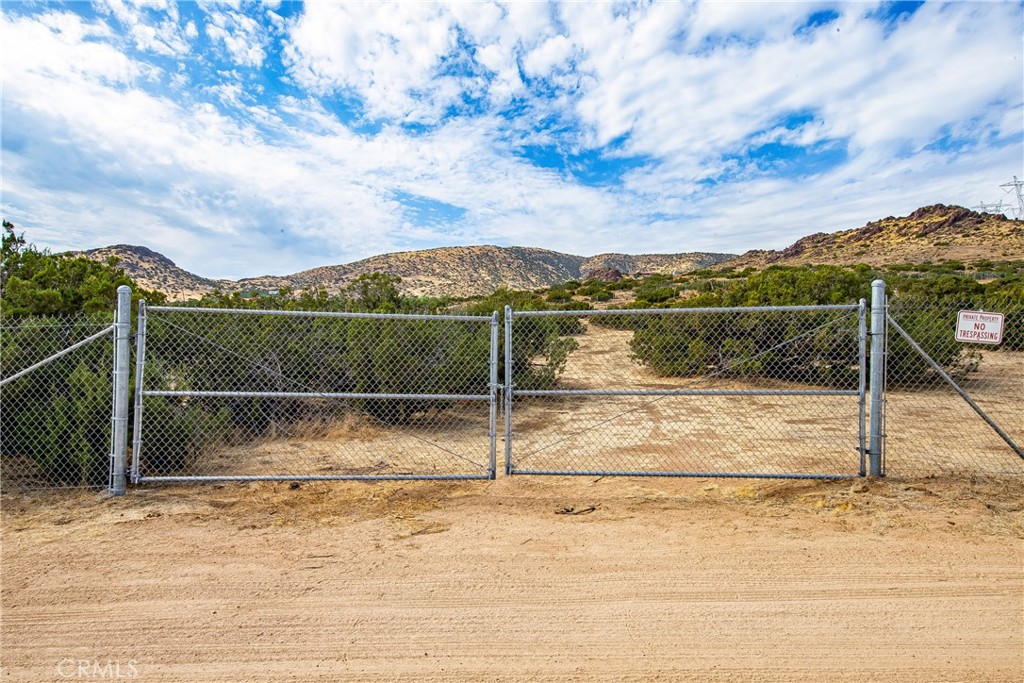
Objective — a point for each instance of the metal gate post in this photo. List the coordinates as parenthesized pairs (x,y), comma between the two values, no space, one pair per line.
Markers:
(119,441)
(876,466)
(140,364)
(862,387)
(494,396)
(508,390)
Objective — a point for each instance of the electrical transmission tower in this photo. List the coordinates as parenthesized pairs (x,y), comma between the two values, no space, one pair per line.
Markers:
(993,208)
(1017,187)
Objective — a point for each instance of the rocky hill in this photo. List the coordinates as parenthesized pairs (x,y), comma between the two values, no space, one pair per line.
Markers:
(153,270)
(469,271)
(931,233)
(448,271)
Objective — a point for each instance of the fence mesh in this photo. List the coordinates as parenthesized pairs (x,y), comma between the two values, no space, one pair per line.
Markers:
(731,391)
(306,395)
(930,428)
(55,401)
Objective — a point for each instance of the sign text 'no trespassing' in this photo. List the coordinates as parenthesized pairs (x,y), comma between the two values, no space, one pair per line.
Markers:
(979,327)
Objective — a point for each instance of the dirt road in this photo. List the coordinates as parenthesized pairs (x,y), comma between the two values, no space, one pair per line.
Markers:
(521,579)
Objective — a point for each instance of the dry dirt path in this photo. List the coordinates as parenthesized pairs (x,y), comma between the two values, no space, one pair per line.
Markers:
(651,580)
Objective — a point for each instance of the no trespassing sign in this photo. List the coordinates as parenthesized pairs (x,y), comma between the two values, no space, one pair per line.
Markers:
(979,327)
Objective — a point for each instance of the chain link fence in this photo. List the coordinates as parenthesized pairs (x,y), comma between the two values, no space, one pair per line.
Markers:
(930,425)
(687,392)
(305,395)
(242,394)
(55,401)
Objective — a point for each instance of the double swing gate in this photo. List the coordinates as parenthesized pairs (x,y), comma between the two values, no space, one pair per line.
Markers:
(787,391)
(249,395)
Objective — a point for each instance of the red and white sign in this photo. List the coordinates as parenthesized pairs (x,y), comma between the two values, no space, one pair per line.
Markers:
(979,327)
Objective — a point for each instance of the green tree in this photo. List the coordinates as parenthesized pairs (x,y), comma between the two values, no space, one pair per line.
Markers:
(376,292)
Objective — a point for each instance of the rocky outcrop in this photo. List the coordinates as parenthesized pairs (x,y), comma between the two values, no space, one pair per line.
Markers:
(603,275)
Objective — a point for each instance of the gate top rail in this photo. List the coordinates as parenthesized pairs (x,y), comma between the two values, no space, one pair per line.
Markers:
(680,311)
(323,314)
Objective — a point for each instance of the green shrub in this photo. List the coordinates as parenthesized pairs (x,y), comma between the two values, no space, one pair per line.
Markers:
(58,416)
(777,345)
(654,293)
(414,357)
(558,295)
(626,283)
(590,288)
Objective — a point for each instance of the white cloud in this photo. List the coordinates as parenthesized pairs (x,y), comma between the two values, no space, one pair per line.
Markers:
(386,52)
(551,54)
(860,84)
(397,57)
(745,20)
(153,26)
(71,52)
(242,36)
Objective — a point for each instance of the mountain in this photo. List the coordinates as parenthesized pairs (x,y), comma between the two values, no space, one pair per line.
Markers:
(469,271)
(932,233)
(153,270)
(446,271)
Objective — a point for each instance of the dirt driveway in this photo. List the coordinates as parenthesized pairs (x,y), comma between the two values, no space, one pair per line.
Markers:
(521,579)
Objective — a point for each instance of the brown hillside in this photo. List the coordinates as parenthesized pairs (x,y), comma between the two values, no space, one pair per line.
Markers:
(470,271)
(153,270)
(652,263)
(931,233)
(448,271)
(454,271)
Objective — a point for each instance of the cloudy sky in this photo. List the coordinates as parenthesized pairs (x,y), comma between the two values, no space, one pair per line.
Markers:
(264,138)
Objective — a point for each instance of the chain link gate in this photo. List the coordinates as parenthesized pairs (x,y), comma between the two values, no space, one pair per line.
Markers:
(224,394)
(744,392)
(952,406)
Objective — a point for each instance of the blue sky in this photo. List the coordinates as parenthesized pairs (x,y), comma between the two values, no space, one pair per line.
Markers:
(245,138)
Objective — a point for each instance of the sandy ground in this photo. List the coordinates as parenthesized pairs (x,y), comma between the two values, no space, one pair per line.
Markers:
(520,579)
